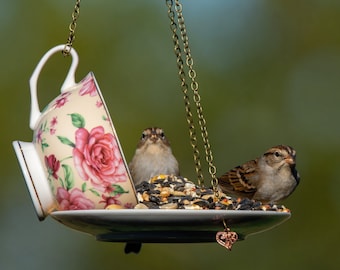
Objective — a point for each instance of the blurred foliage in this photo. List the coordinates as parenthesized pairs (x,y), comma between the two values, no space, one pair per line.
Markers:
(268,74)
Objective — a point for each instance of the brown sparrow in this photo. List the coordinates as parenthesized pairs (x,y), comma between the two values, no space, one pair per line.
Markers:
(153,156)
(269,178)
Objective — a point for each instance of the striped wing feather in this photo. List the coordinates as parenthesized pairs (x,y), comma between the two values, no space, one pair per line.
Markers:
(239,181)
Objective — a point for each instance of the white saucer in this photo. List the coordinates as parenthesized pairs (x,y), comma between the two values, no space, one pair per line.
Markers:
(167,226)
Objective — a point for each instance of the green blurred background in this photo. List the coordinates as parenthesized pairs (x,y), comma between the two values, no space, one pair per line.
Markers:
(269,73)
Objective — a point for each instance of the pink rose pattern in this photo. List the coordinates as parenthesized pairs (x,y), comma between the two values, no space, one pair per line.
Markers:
(73,200)
(38,136)
(44,127)
(53,124)
(89,87)
(96,157)
(61,101)
(52,165)
(99,103)
(107,200)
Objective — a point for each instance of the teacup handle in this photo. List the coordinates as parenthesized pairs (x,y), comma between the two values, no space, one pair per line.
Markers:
(69,81)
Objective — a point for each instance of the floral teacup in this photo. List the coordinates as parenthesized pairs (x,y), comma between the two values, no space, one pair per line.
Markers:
(75,161)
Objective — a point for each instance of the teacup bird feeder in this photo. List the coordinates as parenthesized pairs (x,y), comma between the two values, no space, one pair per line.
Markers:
(68,183)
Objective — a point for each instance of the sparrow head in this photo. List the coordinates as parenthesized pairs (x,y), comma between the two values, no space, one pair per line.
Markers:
(153,136)
(280,156)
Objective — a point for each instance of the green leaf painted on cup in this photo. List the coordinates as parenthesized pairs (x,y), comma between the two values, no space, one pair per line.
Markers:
(117,189)
(95,192)
(44,127)
(77,120)
(83,187)
(44,144)
(66,141)
(61,182)
(69,180)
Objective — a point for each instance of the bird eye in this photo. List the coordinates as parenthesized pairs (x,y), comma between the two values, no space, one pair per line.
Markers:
(277,154)
(143,136)
(162,135)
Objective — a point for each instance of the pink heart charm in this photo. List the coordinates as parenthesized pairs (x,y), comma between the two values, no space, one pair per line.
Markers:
(226,238)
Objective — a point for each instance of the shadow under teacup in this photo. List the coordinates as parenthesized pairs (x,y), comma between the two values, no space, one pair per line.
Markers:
(75,161)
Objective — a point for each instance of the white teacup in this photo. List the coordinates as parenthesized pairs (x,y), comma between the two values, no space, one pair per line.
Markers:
(75,161)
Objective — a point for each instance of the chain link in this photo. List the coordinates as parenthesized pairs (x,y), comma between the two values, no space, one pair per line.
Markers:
(184,87)
(72,29)
(196,96)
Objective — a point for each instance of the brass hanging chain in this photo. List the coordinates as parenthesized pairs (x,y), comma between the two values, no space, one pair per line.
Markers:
(184,87)
(72,29)
(197,98)
(194,87)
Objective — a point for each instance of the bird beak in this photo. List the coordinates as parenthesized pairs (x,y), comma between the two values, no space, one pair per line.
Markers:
(290,161)
(154,138)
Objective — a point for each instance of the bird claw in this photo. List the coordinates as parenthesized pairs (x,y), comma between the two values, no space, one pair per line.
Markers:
(134,247)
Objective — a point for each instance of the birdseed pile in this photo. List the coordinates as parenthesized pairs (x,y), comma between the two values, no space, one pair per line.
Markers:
(176,192)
